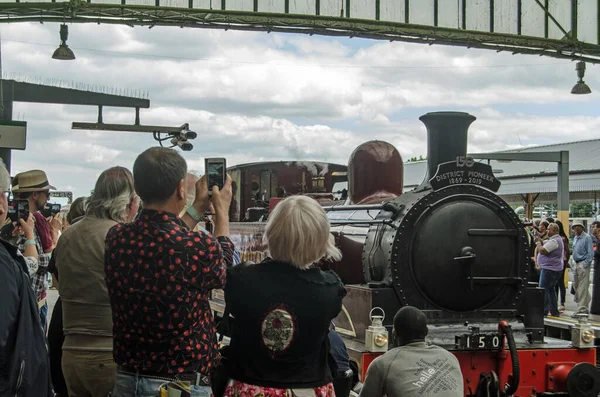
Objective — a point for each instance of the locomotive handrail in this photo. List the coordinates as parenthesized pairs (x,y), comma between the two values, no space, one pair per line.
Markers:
(353,207)
(495,280)
(363,222)
(493,232)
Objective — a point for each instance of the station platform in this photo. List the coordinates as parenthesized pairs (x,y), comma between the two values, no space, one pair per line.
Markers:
(560,327)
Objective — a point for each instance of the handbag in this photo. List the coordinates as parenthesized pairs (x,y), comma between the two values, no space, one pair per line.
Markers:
(219,372)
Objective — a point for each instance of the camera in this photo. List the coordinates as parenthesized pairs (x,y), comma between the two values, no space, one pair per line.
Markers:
(18,209)
(50,210)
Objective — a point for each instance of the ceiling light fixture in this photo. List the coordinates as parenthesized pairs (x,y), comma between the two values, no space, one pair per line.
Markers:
(63,52)
(580,87)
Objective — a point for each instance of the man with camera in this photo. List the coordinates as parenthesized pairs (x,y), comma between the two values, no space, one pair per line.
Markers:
(23,354)
(31,191)
(160,274)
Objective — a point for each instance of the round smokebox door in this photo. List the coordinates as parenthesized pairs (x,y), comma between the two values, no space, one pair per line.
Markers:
(463,253)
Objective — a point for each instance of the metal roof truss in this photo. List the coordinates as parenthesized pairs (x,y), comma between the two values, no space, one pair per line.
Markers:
(555,28)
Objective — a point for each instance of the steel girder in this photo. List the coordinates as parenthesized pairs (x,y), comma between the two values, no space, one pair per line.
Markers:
(150,16)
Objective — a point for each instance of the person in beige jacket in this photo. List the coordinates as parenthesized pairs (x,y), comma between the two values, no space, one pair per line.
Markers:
(87,361)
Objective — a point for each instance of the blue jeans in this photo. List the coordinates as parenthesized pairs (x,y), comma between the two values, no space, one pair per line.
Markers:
(548,281)
(44,317)
(138,386)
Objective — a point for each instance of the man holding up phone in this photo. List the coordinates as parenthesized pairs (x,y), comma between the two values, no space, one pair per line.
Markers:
(159,274)
(33,189)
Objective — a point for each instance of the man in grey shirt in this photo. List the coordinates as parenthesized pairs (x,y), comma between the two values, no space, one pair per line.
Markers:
(413,369)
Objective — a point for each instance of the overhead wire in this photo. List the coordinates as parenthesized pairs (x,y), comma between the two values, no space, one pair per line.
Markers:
(366,66)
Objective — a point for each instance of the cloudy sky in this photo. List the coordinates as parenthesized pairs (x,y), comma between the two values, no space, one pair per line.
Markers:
(259,96)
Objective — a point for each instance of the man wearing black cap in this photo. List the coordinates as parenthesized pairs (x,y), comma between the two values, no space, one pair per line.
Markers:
(414,368)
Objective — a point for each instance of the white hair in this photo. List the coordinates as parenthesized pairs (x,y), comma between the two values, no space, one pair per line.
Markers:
(4,178)
(298,233)
(112,194)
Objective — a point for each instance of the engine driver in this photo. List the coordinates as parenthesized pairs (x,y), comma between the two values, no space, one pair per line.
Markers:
(414,368)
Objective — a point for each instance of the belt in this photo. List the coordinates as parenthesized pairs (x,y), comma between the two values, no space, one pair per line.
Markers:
(41,303)
(195,378)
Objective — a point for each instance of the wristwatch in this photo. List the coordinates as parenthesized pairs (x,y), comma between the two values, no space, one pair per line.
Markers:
(191,211)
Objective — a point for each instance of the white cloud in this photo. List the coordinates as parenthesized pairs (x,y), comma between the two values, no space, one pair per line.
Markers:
(258,96)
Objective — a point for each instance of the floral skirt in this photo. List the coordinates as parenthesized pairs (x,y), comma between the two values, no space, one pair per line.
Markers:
(241,389)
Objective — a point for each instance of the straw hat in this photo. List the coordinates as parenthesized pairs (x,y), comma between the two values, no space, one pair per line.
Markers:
(31,181)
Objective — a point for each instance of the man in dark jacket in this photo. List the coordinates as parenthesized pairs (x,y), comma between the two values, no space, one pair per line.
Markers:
(23,354)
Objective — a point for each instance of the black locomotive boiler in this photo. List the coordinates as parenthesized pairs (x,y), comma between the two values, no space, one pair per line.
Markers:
(454,249)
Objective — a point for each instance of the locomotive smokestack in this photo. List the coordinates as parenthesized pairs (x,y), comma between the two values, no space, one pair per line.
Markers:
(446,138)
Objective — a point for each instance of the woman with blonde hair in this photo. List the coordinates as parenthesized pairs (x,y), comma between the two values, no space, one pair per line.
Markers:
(282,308)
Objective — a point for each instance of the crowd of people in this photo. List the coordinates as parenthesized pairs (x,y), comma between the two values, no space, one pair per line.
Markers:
(134,267)
(554,254)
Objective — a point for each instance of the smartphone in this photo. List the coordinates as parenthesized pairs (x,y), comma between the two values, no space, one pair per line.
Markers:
(216,168)
(18,209)
(50,210)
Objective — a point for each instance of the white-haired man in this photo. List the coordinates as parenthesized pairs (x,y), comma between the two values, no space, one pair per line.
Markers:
(23,355)
(550,259)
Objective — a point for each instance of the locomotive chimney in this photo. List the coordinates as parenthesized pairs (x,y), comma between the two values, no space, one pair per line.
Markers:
(446,138)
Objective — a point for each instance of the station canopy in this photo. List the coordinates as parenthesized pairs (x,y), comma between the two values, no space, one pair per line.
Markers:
(557,28)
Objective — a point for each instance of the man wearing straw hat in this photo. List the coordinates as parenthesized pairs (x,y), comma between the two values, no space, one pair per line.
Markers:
(34,187)
(583,254)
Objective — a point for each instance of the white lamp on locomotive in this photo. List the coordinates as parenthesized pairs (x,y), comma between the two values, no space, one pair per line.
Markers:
(376,336)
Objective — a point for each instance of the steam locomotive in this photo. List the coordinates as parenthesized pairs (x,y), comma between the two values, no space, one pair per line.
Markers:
(454,249)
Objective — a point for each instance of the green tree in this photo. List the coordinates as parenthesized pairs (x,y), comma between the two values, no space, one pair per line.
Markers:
(413,159)
(582,210)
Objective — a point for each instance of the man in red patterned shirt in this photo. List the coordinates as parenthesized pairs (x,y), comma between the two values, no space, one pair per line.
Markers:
(159,275)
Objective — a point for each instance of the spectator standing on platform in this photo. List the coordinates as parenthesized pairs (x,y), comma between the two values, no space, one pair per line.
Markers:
(56,336)
(399,372)
(551,260)
(87,361)
(343,375)
(541,231)
(23,355)
(595,309)
(34,187)
(583,254)
(160,275)
(561,285)
(279,342)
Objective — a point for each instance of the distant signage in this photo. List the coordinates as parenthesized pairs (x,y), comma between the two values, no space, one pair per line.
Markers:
(13,134)
(464,171)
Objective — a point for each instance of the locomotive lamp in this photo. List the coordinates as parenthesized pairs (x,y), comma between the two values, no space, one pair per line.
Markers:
(376,336)
(582,334)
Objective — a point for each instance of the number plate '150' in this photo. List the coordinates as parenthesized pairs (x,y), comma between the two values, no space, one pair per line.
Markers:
(479,341)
